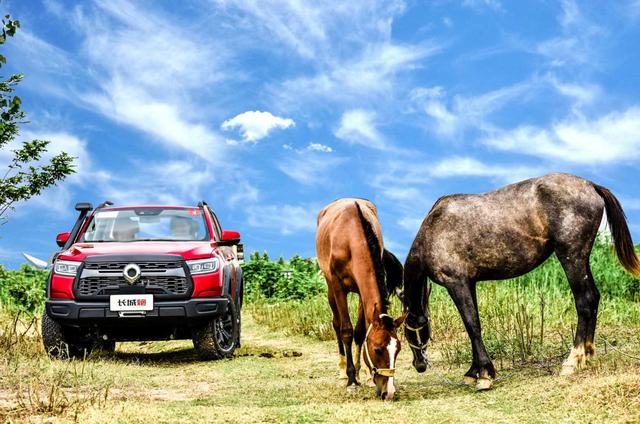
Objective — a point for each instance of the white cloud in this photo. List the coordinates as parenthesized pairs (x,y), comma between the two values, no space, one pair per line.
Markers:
(286,219)
(614,137)
(422,93)
(400,193)
(470,167)
(312,29)
(468,111)
(256,125)
(411,224)
(319,147)
(577,46)
(161,119)
(136,67)
(419,172)
(582,94)
(243,193)
(374,73)
(347,45)
(309,167)
(357,126)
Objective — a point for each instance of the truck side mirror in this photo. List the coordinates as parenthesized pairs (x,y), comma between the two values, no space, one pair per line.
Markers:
(62,238)
(229,238)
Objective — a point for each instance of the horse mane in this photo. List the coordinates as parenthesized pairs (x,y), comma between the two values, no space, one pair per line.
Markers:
(375,250)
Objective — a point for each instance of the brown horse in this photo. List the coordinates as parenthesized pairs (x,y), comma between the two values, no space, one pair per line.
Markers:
(353,259)
(503,234)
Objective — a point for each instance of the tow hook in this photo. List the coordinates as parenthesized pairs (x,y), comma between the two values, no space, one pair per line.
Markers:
(132,314)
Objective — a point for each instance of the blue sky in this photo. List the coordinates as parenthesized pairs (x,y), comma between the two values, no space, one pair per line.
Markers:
(271,109)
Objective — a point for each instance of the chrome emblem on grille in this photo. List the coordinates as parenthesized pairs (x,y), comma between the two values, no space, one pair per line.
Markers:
(131,273)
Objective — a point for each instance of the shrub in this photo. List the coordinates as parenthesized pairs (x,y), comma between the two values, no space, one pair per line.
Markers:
(297,278)
(23,290)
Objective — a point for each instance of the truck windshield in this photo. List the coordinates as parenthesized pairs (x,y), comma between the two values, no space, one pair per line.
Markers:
(146,224)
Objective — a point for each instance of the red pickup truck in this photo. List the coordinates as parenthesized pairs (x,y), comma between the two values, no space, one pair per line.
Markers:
(133,273)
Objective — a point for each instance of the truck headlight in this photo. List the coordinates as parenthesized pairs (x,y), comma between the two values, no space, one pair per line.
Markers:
(203,266)
(69,268)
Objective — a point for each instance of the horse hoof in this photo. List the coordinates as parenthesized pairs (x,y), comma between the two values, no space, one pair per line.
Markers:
(469,381)
(342,382)
(351,390)
(483,384)
(567,370)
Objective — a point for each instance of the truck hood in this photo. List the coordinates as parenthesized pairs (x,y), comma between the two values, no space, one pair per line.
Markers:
(188,250)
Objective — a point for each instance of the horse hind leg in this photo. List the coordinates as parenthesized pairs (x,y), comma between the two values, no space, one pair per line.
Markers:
(462,294)
(587,299)
(471,376)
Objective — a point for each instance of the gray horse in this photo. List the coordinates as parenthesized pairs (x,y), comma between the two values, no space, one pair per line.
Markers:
(503,234)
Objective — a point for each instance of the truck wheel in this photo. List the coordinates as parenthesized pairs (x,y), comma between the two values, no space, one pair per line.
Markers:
(239,300)
(58,344)
(217,339)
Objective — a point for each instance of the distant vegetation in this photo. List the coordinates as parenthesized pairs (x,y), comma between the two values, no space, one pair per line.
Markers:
(23,290)
(276,280)
(530,318)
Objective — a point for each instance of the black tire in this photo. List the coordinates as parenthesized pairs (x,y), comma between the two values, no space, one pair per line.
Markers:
(239,300)
(218,338)
(58,344)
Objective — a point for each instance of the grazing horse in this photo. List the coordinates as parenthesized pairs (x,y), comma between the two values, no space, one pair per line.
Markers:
(352,258)
(503,234)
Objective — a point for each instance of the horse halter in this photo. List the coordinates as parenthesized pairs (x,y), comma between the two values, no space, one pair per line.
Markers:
(416,331)
(386,372)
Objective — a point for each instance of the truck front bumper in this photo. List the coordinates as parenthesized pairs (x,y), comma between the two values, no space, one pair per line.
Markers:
(72,312)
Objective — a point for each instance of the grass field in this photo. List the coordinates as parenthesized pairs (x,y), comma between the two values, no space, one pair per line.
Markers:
(278,378)
(286,370)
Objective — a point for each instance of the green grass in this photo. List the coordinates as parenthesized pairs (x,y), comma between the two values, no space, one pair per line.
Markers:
(163,382)
(528,326)
(529,319)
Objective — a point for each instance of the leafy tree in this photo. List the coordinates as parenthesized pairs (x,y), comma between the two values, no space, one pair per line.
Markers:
(25,175)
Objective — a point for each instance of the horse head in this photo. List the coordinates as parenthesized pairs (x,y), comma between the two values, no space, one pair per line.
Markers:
(381,348)
(417,331)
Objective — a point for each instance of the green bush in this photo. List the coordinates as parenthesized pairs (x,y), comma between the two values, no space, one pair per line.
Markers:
(23,290)
(269,280)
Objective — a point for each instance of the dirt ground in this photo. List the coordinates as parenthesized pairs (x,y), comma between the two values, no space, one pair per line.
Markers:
(274,378)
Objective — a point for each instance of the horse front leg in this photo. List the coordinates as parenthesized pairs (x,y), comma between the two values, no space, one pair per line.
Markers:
(346,335)
(359,336)
(342,361)
(482,368)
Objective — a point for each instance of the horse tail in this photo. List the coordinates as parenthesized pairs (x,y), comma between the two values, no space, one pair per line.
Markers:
(619,231)
(394,273)
(375,250)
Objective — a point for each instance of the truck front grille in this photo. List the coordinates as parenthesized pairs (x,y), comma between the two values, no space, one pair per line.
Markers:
(163,279)
(96,286)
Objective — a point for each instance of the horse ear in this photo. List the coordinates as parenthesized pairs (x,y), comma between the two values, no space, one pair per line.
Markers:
(399,321)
